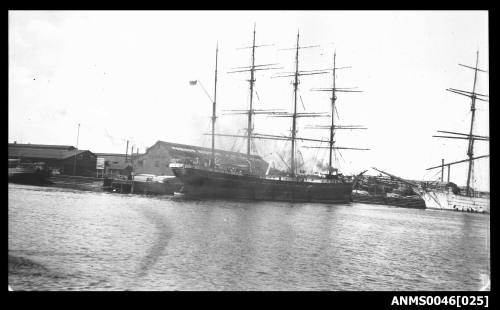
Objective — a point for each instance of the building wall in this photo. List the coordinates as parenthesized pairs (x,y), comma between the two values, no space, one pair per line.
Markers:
(116,164)
(54,157)
(155,161)
(85,165)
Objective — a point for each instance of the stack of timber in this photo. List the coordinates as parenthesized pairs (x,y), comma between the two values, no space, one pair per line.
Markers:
(385,191)
(414,202)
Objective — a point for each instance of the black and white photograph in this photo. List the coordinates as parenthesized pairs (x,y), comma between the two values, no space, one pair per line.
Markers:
(249,150)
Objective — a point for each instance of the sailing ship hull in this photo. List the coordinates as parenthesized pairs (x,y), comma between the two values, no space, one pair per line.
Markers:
(447,200)
(201,183)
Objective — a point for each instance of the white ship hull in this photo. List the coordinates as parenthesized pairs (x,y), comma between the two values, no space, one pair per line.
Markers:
(447,200)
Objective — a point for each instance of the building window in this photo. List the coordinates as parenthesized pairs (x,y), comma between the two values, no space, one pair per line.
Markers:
(140,163)
(79,157)
(157,163)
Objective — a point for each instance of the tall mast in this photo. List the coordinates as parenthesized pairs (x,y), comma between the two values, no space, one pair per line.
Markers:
(332,127)
(274,112)
(470,137)
(294,115)
(212,163)
(250,110)
(330,167)
(470,149)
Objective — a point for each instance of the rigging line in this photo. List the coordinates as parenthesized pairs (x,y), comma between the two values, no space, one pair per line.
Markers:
(316,156)
(323,155)
(234,142)
(283,161)
(337,113)
(256,93)
(437,175)
(205,138)
(303,106)
(466,116)
(341,156)
(254,145)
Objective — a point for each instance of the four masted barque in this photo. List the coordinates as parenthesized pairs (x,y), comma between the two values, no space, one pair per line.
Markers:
(216,181)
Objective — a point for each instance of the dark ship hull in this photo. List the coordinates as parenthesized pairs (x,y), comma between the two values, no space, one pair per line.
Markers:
(27,176)
(206,183)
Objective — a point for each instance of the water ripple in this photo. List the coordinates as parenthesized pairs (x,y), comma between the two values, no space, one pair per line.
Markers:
(161,238)
(71,240)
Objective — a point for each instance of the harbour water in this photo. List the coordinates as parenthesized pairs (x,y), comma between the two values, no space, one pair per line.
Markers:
(62,239)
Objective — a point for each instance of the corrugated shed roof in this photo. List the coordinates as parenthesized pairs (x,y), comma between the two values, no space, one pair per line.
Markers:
(43,146)
(188,148)
(116,157)
(119,166)
(41,152)
(111,155)
(113,158)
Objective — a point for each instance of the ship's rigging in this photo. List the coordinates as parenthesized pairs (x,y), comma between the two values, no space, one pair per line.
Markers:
(295,115)
(332,127)
(470,137)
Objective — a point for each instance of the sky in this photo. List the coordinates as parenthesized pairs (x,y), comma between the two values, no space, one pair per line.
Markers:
(125,76)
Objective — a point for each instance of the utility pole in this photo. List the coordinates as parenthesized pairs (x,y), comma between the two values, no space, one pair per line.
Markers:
(126,152)
(77,138)
(132,172)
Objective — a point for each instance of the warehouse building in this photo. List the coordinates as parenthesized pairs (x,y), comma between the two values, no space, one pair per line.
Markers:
(59,159)
(116,164)
(158,157)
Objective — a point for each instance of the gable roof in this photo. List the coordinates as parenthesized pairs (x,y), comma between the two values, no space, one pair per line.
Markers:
(199,149)
(116,155)
(43,151)
(119,166)
(111,155)
(44,146)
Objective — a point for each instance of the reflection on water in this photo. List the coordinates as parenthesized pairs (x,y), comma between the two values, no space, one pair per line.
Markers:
(70,240)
